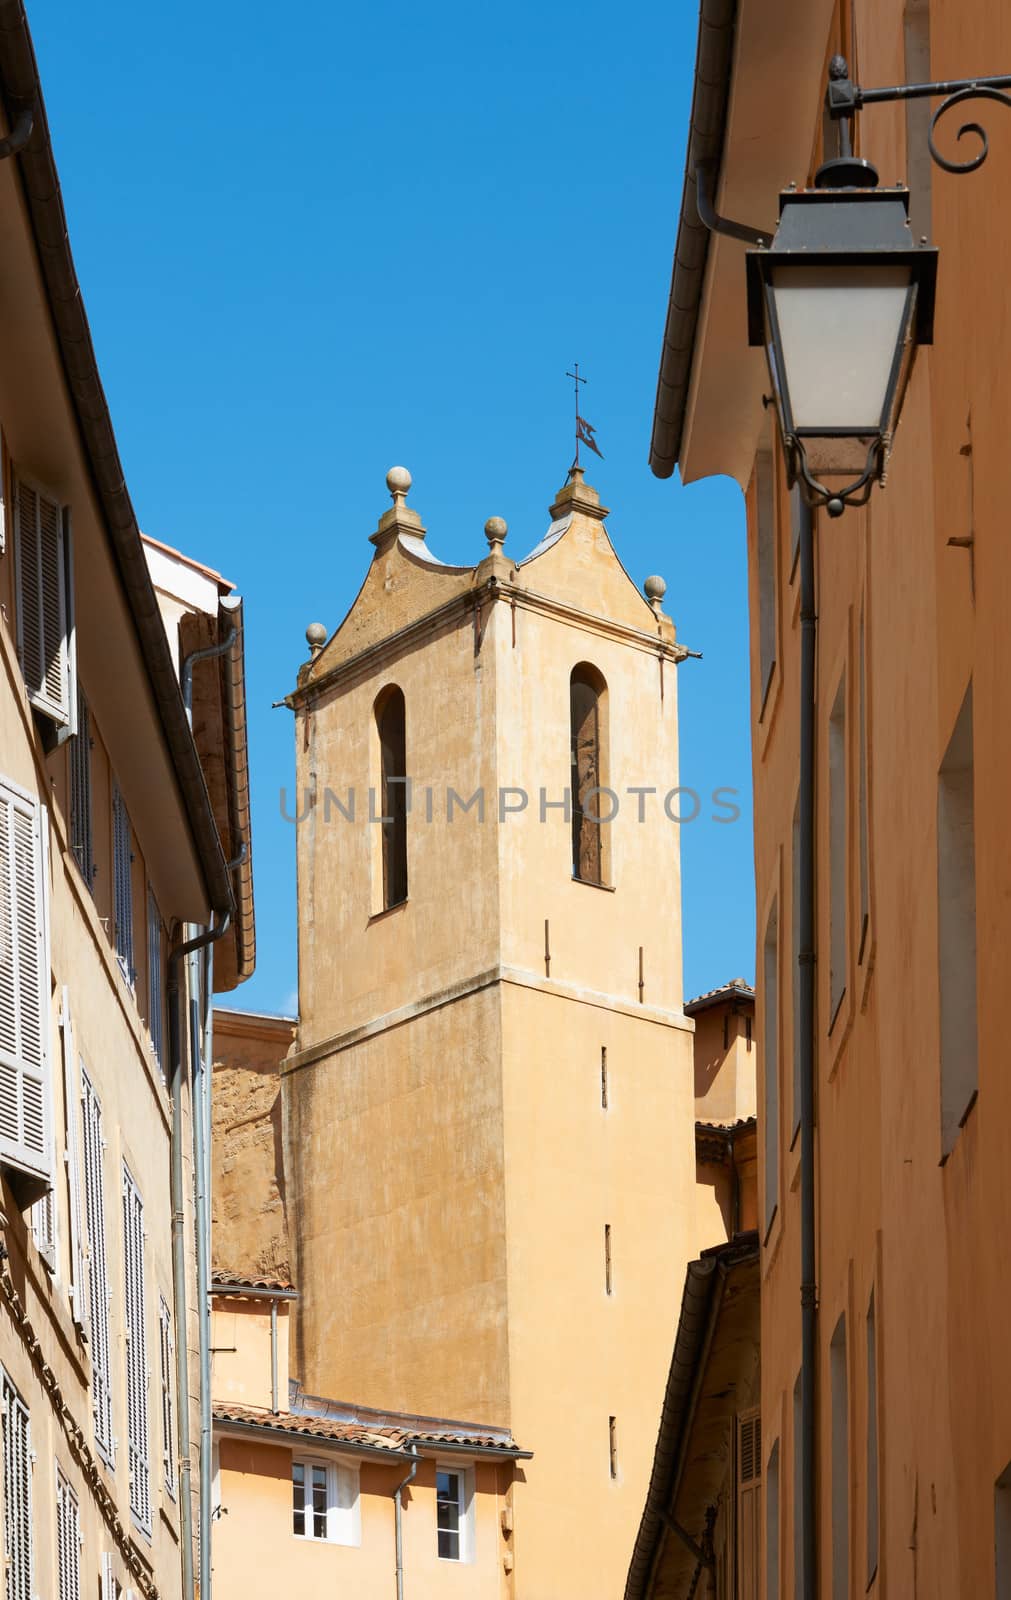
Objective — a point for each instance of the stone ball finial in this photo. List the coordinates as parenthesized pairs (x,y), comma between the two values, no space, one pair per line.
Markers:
(315,635)
(495,530)
(398,481)
(654,589)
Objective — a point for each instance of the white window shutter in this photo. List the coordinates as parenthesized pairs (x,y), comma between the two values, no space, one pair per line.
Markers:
(45,628)
(749,1504)
(78,1290)
(98,1271)
(166,1351)
(154,969)
(110,1588)
(82,840)
(17,1492)
(68,1540)
(122,857)
(136,1352)
(25,1097)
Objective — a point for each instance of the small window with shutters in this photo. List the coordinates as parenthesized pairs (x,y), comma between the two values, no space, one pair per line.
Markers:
(122,868)
(81,825)
(749,1504)
(68,1540)
(136,1353)
(166,1351)
(72,1159)
(156,1008)
(17,1493)
(111,1589)
(25,1090)
(98,1269)
(44,578)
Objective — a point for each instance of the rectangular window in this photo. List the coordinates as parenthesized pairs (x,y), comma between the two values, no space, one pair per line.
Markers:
(772,1524)
(603,1076)
(122,867)
(82,841)
(837,850)
(44,578)
(749,1504)
(765,513)
(872,1442)
(325,1505)
(839,1375)
(25,1094)
(17,1493)
(796,913)
(612,1444)
(78,1290)
(865,872)
(608,1279)
(98,1271)
(110,1587)
(136,1352)
(68,1540)
(956,928)
(155,1020)
(166,1352)
(770,1061)
(453,1497)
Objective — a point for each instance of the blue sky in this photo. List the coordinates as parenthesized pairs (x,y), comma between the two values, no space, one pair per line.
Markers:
(317,241)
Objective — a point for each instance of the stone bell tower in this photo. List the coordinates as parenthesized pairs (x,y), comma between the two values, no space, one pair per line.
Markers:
(488,1111)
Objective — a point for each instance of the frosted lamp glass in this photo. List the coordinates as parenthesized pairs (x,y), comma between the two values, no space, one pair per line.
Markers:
(838,331)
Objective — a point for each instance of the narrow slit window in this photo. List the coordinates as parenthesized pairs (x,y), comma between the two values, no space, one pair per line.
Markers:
(608,1273)
(603,1077)
(612,1445)
(587,720)
(391,725)
(956,928)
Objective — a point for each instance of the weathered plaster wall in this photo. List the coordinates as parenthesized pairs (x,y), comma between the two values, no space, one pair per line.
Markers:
(249,1231)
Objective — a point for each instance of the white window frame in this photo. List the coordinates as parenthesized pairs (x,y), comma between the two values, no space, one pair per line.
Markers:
(137,1372)
(18,1460)
(464,1474)
(57,702)
(25,1056)
(72,1159)
(343,1523)
(68,1539)
(166,1355)
(155,983)
(82,823)
(100,1295)
(122,878)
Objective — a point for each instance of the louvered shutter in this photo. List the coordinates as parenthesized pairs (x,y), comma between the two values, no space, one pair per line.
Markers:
(81,828)
(24,985)
(122,857)
(44,1228)
(72,1157)
(45,629)
(68,1540)
(110,1587)
(749,1504)
(136,1352)
(98,1273)
(17,1492)
(154,970)
(166,1351)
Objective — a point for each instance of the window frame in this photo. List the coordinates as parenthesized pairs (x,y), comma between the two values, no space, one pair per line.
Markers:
(589,825)
(69,1538)
(29,1160)
(122,886)
(60,711)
(18,1458)
(464,1504)
(135,1316)
(332,1471)
(99,1290)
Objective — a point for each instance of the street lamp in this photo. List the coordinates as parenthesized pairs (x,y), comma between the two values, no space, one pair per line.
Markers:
(840,300)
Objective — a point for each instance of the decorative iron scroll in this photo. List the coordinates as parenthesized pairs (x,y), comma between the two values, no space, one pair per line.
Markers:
(972,91)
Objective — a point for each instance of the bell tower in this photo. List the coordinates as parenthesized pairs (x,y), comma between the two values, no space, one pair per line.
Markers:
(489,1107)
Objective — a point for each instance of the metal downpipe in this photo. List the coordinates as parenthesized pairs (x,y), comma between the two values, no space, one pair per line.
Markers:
(808,1587)
(398,1521)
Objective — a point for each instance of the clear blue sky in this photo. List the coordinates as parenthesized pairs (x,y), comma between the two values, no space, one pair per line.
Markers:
(317,240)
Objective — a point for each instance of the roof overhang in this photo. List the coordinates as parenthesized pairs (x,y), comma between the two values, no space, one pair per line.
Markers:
(755,109)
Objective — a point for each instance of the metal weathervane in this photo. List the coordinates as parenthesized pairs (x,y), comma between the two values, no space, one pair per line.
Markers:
(584,430)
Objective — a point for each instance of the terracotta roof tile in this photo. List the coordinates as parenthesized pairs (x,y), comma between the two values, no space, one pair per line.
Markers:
(312,1427)
(245,1280)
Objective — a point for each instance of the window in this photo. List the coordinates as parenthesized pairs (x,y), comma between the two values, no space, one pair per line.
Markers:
(156,1011)
(770,1061)
(603,1077)
(772,1524)
(391,723)
(81,832)
(324,1498)
(956,928)
(17,1492)
(25,1142)
(122,870)
(749,1503)
(612,1445)
(78,1293)
(110,1586)
(837,850)
(587,717)
(44,600)
(68,1540)
(765,527)
(608,1278)
(166,1351)
(453,1498)
(136,1352)
(839,1376)
(98,1274)
(872,1442)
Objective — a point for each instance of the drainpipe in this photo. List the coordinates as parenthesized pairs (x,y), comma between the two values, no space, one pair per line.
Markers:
(179,954)
(806,1014)
(274,1398)
(398,1502)
(201,1028)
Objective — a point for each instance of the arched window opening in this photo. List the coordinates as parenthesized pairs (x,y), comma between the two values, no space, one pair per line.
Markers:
(392,729)
(587,718)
